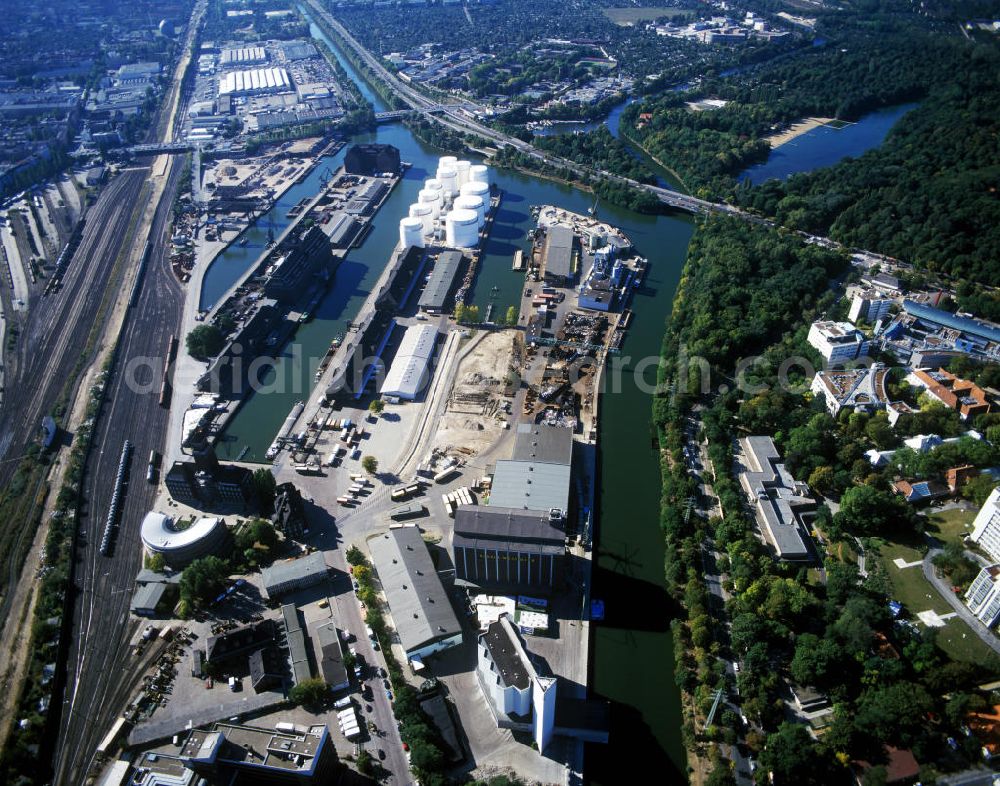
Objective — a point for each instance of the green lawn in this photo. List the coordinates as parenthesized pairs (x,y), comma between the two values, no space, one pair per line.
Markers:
(908,584)
(947,525)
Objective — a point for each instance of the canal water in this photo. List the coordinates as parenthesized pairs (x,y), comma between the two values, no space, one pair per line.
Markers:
(827,145)
(632,655)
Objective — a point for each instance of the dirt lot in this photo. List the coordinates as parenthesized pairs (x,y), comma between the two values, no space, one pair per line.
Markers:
(476,412)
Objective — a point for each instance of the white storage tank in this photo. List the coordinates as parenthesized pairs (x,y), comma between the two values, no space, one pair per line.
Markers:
(411,232)
(463,168)
(479,173)
(462,228)
(432,198)
(425,213)
(447,162)
(479,189)
(449,179)
(470,202)
(433,184)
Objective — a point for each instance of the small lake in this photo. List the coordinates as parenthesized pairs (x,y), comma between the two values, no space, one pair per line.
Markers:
(826,145)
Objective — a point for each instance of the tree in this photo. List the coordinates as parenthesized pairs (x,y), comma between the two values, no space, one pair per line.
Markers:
(511,318)
(895,714)
(310,693)
(203,580)
(977,489)
(822,480)
(204,342)
(366,765)
(156,563)
(266,487)
(369,464)
(460,312)
(865,510)
(816,661)
(376,406)
(255,534)
(791,755)
(356,556)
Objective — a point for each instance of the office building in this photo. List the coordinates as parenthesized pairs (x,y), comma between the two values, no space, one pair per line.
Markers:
(421,610)
(837,342)
(869,306)
(180,546)
(983,597)
(861,389)
(290,575)
(509,548)
(777,498)
(228,753)
(986,527)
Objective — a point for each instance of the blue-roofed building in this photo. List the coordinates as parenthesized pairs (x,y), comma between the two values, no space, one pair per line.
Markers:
(920,491)
(937,317)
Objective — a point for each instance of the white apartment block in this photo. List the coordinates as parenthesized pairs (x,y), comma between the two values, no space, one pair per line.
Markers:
(986,527)
(837,342)
(869,306)
(983,597)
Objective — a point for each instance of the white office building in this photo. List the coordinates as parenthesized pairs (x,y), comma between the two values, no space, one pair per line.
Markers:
(983,597)
(869,306)
(986,527)
(837,342)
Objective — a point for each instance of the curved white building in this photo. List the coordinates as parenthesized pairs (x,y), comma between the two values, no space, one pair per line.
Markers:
(411,232)
(470,202)
(180,547)
(432,198)
(448,176)
(462,228)
(479,173)
(462,168)
(425,213)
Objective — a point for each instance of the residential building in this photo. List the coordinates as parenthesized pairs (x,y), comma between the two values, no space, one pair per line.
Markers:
(229,752)
(513,688)
(983,597)
(421,611)
(869,306)
(266,669)
(955,393)
(919,491)
(861,389)
(779,501)
(330,654)
(837,342)
(295,641)
(986,526)
(510,548)
(290,575)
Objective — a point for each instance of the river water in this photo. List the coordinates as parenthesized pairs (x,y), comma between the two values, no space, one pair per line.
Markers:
(632,656)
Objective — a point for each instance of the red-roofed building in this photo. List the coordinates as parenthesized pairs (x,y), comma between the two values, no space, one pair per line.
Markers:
(901,767)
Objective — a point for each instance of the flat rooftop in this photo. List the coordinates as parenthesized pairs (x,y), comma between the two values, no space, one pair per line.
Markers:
(544,443)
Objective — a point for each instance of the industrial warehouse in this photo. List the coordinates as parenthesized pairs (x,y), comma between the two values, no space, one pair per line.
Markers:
(409,370)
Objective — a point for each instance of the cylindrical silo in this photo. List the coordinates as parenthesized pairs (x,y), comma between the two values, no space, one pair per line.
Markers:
(432,198)
(433,184)
(411,232)
(449,179)
(479,173)
(462,228)
(425,213)
(470,202)
(462,168)
(479,189)
(447,162)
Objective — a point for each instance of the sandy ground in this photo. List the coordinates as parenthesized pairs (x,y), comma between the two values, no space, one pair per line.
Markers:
(17,274)
(475,417)
(797,130)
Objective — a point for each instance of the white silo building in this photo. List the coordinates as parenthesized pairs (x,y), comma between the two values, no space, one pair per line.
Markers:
(447,162)
(462,228)
(479,189)
(449,179)
(463,168)
(425,213)
(470,202)
(432,198)
(411,232)
(433,184)
(479,173)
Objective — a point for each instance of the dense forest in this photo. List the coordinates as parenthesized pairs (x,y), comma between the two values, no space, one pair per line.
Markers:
(783,625)
(600,150)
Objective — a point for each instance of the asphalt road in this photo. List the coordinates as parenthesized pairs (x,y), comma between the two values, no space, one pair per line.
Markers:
(100,675)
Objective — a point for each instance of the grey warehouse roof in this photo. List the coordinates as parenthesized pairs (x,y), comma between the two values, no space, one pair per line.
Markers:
(419,605)
(541,442)
(776,494)
(559,251)
(511,525)
(435,294)
(280,573)
(531,485)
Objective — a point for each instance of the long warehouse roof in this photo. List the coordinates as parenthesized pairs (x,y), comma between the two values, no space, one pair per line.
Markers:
(435,294)
(408,372)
